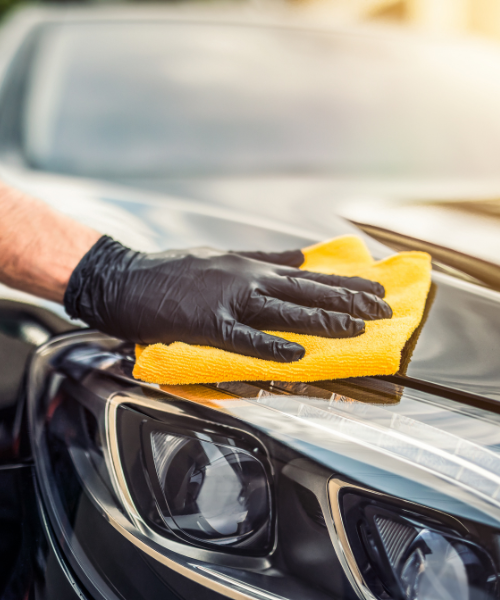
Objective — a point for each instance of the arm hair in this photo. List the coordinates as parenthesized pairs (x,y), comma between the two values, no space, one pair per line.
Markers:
(39,247)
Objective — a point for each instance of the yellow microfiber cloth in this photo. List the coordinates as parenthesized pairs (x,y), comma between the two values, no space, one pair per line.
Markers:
(406,278)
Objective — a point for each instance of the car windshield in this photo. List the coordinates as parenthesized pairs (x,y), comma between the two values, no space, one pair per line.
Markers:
(181,98)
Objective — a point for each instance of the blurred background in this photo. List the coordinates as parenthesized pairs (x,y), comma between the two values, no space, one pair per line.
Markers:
(386,112)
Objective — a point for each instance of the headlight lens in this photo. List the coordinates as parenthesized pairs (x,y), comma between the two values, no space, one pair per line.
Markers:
(415,557)
(211,485)
(264,490)
(214,493)
(433,569)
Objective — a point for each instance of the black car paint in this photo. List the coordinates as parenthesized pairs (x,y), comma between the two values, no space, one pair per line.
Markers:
(456,349)
(454,354)
(449,354)
(27,557)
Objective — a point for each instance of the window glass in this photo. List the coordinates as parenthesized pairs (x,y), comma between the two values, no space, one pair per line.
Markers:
(189,99)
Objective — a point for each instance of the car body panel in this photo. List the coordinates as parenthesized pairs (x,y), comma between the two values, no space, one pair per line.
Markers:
(461,317)
(430,112)
(452,354)
(93,370)
(458,345)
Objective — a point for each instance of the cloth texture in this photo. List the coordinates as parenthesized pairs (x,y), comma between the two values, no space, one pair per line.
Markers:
(406,277)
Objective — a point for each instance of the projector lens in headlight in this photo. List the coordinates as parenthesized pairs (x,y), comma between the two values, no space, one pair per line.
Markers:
(415,557)
(213,493)
(296,493)
(433,568)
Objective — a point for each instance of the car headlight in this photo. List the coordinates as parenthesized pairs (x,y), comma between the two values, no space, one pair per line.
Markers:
(210,484)
(211,492)
(348,489)
(412,555)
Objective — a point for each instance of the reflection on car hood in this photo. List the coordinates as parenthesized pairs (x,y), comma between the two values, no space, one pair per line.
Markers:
(455,348)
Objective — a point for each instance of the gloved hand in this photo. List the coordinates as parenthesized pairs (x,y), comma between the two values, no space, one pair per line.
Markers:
(213,298)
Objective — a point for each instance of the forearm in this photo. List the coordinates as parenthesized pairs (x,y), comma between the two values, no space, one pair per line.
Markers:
(39,247)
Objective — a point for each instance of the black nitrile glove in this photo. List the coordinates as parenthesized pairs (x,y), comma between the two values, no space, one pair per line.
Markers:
(213,298)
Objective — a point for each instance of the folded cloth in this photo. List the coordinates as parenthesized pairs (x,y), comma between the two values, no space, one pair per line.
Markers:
(406,278)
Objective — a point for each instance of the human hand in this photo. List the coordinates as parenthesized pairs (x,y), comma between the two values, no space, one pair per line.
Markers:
(213,298)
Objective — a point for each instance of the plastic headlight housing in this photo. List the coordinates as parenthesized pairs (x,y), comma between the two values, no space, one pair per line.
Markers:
(347,489)
(211,485)
(411,555)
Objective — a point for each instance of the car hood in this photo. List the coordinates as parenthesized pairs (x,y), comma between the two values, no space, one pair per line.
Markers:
(428,209)
(454,352)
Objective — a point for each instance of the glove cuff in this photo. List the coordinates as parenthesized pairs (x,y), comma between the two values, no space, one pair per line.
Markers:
(83,285)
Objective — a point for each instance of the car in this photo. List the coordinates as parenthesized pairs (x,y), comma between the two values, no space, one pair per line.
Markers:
(113,488)
(373,487)
(370,488)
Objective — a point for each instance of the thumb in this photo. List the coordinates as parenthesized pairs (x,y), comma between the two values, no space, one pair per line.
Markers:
(245,340)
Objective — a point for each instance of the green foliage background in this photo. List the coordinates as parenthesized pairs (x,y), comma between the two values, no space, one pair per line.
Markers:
(7,5)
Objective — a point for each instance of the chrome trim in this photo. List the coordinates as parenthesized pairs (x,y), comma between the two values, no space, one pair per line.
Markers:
(340,541)
(315,479)
(174,557)
(200,574)
(238,584)
(339,538)
(52,542)
(184,559)
(121,489)
(196,565)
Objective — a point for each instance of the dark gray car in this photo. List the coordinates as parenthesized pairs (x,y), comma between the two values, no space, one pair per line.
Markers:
(371,488)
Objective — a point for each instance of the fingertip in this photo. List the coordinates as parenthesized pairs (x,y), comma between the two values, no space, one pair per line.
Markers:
(360,284)
(379,290)
(384,310)
(294,258)
(289,352)
(370,307)
(346,326)
(357,327)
